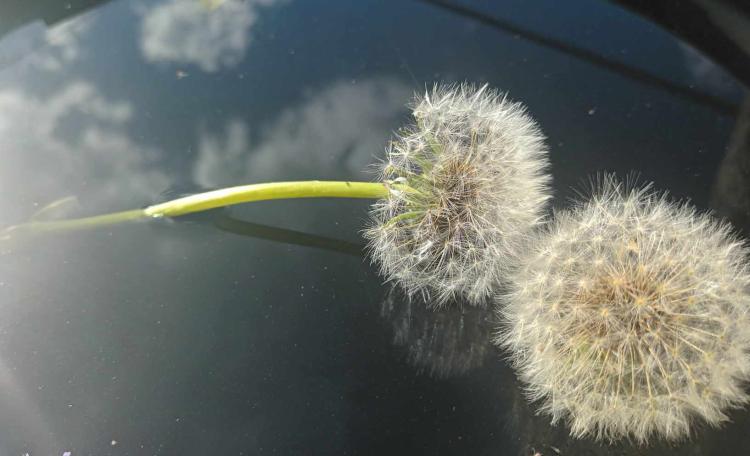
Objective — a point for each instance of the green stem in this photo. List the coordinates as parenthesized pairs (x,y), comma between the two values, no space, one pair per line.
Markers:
(264,192)
(73,224)
(211,200)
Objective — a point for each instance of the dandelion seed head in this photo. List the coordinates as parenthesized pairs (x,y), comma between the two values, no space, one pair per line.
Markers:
(649,329)
(468,183)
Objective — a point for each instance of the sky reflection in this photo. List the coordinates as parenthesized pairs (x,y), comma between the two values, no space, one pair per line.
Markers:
(176,337)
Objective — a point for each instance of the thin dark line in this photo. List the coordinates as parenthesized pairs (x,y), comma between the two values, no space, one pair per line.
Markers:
(718,104)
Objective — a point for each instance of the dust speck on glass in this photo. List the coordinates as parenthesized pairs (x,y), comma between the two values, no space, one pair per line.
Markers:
(264,328)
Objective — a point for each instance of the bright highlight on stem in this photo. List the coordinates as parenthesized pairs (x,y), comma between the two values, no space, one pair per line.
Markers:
(268,191)
(215,199)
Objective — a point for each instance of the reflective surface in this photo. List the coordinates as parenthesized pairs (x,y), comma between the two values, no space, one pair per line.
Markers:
(219,334)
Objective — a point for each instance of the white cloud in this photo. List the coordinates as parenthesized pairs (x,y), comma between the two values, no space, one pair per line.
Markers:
(199,33)
(21,42)
(341,129)
(220,158)
(46,48)
(71,142)
(65,41)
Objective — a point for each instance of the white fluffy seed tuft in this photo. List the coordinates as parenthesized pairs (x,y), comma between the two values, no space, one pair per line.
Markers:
(469,182)
(629,317)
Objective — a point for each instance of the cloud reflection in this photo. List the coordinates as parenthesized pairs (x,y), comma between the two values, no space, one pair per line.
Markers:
(211,35)
(341,129)
(73,141)
(64,42)
(49,49)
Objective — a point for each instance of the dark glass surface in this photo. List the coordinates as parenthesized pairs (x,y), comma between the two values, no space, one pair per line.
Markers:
(263,329)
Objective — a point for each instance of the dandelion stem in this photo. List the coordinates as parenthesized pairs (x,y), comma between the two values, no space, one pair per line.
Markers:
(215,199)
(264,192)
(73,224)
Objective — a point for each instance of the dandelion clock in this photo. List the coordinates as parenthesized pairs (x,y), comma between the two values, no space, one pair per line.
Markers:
(629,317)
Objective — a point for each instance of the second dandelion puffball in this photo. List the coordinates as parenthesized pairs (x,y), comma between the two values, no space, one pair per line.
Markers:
(629,317)
(469,182)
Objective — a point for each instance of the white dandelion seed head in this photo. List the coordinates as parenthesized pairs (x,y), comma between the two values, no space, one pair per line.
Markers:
(628,317)
(469,182)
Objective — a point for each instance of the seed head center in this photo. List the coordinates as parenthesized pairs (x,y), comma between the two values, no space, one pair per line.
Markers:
(455,191)
(624,303)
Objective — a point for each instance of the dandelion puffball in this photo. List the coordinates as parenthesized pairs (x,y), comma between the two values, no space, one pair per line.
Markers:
(469,183)
(628,317)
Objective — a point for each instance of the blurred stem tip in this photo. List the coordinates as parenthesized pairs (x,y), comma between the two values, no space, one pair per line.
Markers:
(212,200)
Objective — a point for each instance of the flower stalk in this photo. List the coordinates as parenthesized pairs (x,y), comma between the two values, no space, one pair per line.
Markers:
(215,199)
(267,191)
